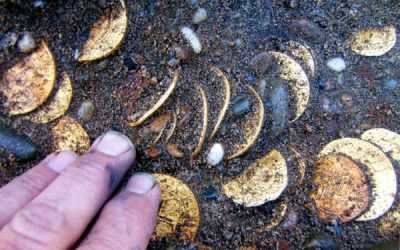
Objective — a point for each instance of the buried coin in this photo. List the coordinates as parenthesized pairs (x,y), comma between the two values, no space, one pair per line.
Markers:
(340,189)
(263,181)
(179,215)
(57,105)
(28,84)
(106,35)
(380,172)
(373,41)
(68,134)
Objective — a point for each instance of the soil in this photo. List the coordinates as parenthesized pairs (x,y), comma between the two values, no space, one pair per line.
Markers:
(233,34)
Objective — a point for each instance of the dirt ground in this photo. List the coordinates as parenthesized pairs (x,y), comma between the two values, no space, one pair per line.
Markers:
(235,31)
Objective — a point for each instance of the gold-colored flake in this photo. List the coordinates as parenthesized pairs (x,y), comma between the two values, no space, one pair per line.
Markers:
(179,215)
(373,41)
(106,35)
(379,170)
(340,188)
(57,106)
(264,180)
(28,84)
(68,134)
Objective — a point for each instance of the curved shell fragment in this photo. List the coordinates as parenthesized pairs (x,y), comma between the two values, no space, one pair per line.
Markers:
(290,71)
(303,55)
(380,172)
(255,131)
(179,215)
(341,189)
(106,35)
(58,105)
(68,134)
(263,181)
(159,103)
(373,41)
(28,84)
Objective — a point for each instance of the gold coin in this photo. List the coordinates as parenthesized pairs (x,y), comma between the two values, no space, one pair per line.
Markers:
(179,215)
(373,41)
(264,180)
(68,134)
(57,106)
(28,84)
(106,35)
(379,170)
(341,189)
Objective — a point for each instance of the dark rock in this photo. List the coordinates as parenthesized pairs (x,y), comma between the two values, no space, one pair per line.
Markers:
(280,109)
(130,64)
(307,29)
(19,145)
(241,105)
(292,3)
(260,63)
(210,193)
(321,241)
(181,53)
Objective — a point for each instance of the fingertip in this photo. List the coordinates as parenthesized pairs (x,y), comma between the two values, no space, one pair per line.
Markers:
(113,143)
(60,160)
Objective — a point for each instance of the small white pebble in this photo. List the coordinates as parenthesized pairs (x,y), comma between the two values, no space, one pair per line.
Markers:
(199,16)
(76,54)
(216,154)
(26,43)
(336,64)
(192,39)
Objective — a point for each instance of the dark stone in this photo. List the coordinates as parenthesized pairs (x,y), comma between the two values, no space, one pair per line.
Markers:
(210,193)
(241,105)
(130,64)
(280,109)
(19,145)
(307,29)
(321,241)
(261,62)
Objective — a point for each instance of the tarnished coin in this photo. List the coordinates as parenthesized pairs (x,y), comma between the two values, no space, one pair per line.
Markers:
(264,180)
(179,215)
(373,41)
(68,134)
(106,35)
(379,168)
(388,141)
(28,84)
(340,188)
(57,106)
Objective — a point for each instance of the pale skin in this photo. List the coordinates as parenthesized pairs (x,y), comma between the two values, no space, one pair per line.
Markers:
(51,205)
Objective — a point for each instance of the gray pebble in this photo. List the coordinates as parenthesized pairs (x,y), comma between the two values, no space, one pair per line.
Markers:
(26,43)
(390,84)
(280,109)
(86,111)
(173,62)
(199,16)
(241,105)
(260,63)
(8,40)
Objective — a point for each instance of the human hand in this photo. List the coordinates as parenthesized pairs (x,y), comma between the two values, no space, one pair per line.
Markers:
(51,205)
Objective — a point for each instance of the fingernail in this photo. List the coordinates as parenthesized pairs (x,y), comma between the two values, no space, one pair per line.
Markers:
(113,143)
(61,161)
(141,183)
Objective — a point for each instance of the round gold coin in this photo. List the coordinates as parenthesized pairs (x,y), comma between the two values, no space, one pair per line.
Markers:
(341,189)
(68,134)
(179,215)
(28,84)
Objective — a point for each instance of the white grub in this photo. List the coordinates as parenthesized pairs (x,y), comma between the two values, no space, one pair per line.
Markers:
(192,39)
(336,64)
(216,154)
(26,43)
(199,16)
